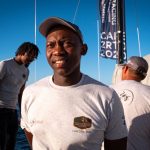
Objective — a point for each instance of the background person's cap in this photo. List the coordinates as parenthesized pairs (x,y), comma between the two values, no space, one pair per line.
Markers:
(51,22)
(138,64)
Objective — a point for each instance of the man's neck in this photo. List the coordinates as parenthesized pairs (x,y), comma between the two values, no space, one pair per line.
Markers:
(66,80)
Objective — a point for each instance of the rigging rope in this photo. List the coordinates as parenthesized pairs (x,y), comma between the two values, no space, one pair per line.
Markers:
(98,37)
(76,11)
(138,32)
(35,36)
(35,21)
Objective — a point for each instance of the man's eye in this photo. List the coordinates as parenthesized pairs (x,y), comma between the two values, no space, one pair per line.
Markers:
(50,45)
(68,43)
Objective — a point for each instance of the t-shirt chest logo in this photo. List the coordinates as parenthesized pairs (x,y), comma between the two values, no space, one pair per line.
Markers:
(82,122)
(24,76)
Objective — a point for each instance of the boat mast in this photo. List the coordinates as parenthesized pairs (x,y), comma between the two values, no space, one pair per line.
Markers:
(121,37)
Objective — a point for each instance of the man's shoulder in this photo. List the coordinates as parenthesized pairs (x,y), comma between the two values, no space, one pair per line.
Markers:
(99,86)
(6,61)
(88,79)
(130,84)
(122,83)
(38,84)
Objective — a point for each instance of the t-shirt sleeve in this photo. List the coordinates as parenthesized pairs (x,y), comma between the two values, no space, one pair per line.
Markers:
(116,128)
(28,72)
(2,69)
(25,124)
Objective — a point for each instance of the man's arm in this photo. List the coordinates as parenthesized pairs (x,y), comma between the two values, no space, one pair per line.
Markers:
(20,96)
(29,137)
(120,144)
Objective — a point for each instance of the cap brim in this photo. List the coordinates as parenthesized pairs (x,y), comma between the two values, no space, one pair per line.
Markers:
(50,23)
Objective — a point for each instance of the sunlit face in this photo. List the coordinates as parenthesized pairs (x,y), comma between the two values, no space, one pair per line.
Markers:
(63,51)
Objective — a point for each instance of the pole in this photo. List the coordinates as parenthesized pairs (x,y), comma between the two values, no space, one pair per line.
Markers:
(121,31)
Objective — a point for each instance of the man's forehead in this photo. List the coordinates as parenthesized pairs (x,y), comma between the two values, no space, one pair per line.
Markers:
(63,28)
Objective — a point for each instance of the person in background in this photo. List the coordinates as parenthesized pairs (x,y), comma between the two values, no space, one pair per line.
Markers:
(69,110)
(135,98)
(14,73)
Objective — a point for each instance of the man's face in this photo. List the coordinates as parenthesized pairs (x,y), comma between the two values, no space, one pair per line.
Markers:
(63,51)
(27,58)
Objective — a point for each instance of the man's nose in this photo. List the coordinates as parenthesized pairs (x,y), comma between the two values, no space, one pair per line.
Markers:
(59,49)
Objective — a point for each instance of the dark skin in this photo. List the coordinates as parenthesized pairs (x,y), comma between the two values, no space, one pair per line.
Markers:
(20,96)
(63,51)
(25,58)
(29,137)
(120,144)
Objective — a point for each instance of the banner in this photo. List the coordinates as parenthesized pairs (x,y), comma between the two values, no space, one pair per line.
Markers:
(113,37)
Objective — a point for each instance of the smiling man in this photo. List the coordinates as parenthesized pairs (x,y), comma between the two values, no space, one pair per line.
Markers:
(69,110)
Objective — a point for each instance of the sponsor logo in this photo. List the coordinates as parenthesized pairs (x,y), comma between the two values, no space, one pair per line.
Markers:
(127,96)
(82,122)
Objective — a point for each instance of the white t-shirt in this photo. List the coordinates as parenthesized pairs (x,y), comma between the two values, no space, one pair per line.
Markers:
(135,98)
(12,77)
(74,117)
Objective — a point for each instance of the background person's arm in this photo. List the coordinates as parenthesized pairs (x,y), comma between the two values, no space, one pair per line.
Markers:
(119,144)
(20,96)
(29,137)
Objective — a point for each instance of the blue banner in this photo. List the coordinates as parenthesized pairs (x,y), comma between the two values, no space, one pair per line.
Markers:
(113,37)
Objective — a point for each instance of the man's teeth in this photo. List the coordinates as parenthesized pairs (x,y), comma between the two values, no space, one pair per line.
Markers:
(59,62)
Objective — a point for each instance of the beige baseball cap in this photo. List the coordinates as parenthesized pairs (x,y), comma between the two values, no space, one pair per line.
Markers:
(52,22)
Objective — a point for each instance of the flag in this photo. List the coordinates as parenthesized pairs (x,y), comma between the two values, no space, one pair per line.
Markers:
(113,37)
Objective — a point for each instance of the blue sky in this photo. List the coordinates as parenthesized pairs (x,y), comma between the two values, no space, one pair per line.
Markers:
(17,26)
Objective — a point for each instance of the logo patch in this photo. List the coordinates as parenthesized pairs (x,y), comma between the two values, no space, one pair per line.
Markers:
(82,122)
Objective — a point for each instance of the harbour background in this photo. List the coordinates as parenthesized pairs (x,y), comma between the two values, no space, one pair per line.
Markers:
(86,15)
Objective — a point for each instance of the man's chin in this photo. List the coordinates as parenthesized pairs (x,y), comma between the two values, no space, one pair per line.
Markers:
(61,71)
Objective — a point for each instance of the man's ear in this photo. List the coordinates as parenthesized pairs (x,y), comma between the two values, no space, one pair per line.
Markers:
(124,72)
(126,69)
(84,49)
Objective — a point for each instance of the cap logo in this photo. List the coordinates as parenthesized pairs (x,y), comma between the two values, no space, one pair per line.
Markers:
(82,122)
